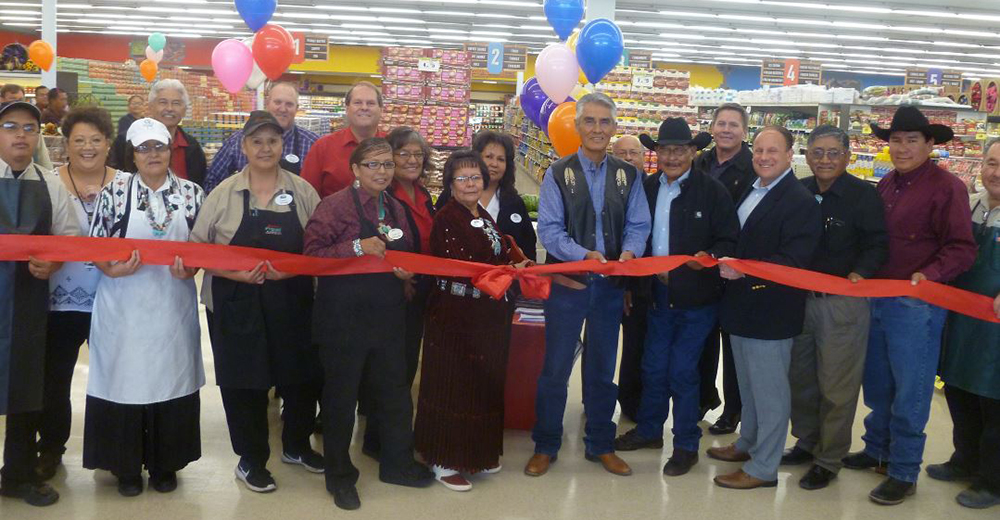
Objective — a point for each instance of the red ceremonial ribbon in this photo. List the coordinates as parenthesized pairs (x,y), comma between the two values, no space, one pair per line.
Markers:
(491,279)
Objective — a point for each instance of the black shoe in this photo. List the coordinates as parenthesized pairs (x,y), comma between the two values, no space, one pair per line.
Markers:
(892,491)
(725,425)
(415,475)
(681,461)
(817,478)
(35,494)
(130,486)
(862,460)
(346,498)
(48,463)
(309,459)
(948,472)
(978,497)
(255,479)
(631,441)
(795,456)
(164,482)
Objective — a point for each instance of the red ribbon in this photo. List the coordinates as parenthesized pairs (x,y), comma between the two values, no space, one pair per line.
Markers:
(491,279)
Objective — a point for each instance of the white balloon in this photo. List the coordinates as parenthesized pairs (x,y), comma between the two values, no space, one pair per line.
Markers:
(257,77)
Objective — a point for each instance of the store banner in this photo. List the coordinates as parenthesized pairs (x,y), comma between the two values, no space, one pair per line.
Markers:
(493,280)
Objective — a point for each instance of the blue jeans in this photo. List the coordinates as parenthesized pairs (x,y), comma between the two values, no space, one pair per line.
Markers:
(762,372)
(600,305)
(675,339)
(904,346)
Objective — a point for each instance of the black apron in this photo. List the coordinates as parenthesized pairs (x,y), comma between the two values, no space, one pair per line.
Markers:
(25,209)
(363,310)
(261,335)
(293,167)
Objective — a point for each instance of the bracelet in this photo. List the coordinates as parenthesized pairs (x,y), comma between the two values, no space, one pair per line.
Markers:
(357,247)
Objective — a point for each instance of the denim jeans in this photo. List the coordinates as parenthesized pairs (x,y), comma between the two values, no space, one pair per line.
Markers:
(600,305)
(904,345)
(675,339)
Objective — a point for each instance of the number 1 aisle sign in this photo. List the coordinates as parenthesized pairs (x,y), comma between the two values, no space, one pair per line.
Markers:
(494,58)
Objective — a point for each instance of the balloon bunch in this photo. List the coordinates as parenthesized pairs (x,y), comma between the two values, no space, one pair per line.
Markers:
(154,53)
(562,70)
(267,54)
(41,53)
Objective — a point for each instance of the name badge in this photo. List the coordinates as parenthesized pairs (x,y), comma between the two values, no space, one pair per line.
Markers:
(477,222)
(515,218)
(272,229)
(176,198)
(697,214)
(819,198)
(395,234)
(284,199)
(292,158)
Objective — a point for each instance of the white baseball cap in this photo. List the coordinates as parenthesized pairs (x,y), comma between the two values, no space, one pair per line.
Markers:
(147,129)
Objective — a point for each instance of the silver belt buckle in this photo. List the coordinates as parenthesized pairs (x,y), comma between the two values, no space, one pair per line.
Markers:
(476,293)
(458,289)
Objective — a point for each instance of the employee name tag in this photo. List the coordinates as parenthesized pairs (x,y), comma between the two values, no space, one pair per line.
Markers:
(283,200)
(395,234)
(477,222)
(292,158)
(176,198)
(515,218)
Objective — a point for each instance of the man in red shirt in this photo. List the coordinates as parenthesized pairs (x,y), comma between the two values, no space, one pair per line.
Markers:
(326,166)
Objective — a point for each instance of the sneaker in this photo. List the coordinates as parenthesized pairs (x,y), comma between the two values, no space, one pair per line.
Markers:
(492,471)
(978,497)
(892,491)
(164,482)
(38,495)
(130,486)
(451,479)
(312,461)
(256,479)
(631,441)
(948,472)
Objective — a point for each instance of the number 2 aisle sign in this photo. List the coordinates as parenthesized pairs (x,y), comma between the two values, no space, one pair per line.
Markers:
(494,58)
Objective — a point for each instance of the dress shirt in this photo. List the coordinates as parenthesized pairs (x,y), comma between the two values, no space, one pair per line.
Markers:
(927,216)
(327,166)
(854,237)
(230,159)
(335,224)
(981,212)
(661,219)
(552,218)
(178,155)
(757,194)
(493,208)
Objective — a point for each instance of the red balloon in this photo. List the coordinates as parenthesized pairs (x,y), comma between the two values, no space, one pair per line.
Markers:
(273,50)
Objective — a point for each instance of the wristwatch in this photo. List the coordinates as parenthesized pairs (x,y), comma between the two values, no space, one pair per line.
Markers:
(357,247)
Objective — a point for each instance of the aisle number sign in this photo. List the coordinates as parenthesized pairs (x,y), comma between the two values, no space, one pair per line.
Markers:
(494,58)
(778,72)
(792,72)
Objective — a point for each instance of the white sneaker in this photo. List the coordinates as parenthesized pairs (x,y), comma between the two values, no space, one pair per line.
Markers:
(451,479)
(492,471)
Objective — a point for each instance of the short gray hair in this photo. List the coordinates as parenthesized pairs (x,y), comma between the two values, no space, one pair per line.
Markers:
(989,144)
(598,98)
(169,84)
(822,131)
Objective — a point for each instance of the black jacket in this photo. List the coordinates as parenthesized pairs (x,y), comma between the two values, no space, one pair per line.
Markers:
(785,228)
(523,232)
(194,157)
(738,172)
(702,218)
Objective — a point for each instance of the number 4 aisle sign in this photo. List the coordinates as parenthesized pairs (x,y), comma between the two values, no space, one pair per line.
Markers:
(792,72)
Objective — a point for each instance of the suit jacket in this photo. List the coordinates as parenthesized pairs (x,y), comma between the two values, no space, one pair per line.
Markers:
(194,157)
(785,228)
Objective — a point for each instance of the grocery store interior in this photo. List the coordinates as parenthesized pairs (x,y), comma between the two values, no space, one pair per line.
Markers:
(853,63)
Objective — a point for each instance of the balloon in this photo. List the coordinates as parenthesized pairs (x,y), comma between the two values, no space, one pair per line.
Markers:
(273,50)
(40,52)
(232,63)
(599,48)
(545,113)
(257,76)
(556,71)
(148,70)
(563,15)
(571,43)
(532,98)
(578,92)
(256,13)
(154,56)
(157,41)
(562,129)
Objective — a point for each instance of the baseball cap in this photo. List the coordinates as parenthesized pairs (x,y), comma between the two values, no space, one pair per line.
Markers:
(259,119)
(13,105)
(147,129)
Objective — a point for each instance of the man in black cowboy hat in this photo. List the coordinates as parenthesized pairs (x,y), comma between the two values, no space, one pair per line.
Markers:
(693,214)
(927,217)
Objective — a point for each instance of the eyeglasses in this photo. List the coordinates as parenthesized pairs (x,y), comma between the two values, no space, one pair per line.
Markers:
(405,156)
(28,128)
(147,148)
(96,142)
(832,154)
(462,179)
(374,165)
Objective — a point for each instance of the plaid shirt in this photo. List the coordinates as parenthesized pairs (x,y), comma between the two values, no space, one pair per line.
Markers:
(230,158)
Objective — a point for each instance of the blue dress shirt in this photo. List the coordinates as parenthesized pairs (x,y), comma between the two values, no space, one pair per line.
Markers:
(757,194)
(667,193)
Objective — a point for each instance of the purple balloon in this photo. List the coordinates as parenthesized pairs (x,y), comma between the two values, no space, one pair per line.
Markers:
(546,112)
(532,99)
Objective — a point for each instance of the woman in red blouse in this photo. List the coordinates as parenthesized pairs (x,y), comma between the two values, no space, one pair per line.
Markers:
(459,427)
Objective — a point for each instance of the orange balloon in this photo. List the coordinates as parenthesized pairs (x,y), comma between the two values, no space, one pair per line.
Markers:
(148,70)
(40,52)
(562,129)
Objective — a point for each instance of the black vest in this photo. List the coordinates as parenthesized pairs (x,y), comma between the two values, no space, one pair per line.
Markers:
(581,220)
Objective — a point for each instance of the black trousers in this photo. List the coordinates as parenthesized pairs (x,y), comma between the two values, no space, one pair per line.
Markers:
(976,435)
(47,430)
(630,366)
(708,366)
(246,415)
(344,368)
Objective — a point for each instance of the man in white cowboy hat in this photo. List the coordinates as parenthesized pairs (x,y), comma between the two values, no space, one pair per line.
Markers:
(927,217)
(693,214)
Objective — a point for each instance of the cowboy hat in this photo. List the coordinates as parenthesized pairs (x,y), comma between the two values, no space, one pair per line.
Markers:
(675,131)
(910,119)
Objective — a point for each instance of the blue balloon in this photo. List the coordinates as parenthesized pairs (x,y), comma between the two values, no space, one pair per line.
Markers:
(545,113)
(599,48)
(532,99)
(256,13)
(563,15)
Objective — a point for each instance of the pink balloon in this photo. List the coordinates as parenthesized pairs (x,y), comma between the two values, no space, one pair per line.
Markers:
(557,70)
(232,62)
(154,56)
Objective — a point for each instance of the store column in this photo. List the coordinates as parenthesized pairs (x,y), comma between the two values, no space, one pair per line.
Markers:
(49,35)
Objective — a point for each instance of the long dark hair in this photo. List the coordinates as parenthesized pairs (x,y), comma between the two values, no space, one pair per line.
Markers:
(487,137)
(462,158)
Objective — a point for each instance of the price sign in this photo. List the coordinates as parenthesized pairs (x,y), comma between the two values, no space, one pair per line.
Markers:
(642,80)
(866,130)
(981,136)
(428,65)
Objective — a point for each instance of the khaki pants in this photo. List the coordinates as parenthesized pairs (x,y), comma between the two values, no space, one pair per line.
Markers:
(828,361)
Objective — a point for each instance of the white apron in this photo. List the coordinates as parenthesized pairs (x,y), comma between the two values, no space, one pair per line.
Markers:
(145,341)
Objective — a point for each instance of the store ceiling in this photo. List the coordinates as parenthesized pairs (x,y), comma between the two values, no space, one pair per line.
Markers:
(869,37)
